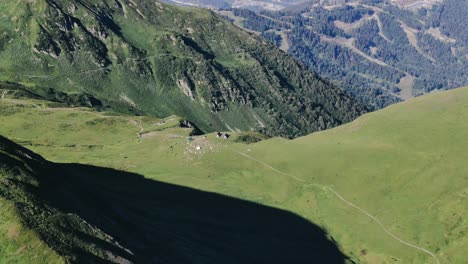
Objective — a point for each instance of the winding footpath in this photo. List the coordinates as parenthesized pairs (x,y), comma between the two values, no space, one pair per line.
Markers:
(140,127)
(339,196)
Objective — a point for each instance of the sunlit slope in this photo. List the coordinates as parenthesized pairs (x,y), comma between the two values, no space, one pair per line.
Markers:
(17,243)
(404,165)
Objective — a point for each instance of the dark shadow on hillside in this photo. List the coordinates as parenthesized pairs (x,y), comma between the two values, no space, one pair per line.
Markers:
(164,223)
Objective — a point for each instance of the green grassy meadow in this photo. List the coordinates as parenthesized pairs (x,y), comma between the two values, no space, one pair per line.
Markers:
(18,244)
(405,165)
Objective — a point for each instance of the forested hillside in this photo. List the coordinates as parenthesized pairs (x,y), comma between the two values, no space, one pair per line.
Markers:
(147,57)
(248,4)
(378,52)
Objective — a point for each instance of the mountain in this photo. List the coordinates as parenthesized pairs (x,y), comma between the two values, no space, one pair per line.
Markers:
(248,4)
(137,188)
(151,58)
(215,4)
(381,52)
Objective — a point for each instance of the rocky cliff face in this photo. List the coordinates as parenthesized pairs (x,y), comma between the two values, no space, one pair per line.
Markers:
(149,57)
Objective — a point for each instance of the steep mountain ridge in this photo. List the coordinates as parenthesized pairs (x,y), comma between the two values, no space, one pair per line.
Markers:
(152,58)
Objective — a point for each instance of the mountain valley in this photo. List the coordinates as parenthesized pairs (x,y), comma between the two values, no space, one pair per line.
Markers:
(246,131)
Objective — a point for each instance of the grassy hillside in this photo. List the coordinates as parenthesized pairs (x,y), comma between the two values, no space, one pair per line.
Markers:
(90,214)
(17,243)
(404,166)
(151,58)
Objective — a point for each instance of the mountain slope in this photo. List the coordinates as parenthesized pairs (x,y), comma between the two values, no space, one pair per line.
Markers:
(249,4)
(97,215)
(151,58)
(379,53)
(405,165)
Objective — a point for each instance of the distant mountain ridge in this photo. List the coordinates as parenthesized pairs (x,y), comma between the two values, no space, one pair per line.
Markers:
(378,52)
(147,57)
(274,5)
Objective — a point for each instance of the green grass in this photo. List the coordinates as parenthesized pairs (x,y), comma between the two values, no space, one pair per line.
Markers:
(90,213)
(144,58)
(18,244)
(406,165)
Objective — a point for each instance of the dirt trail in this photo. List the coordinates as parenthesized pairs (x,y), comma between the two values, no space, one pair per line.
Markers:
(383,227)
(411,34)
(140,127)
(19,102)
(270,167)
(349,43)
(339,196)
(157,133)
(379,24)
